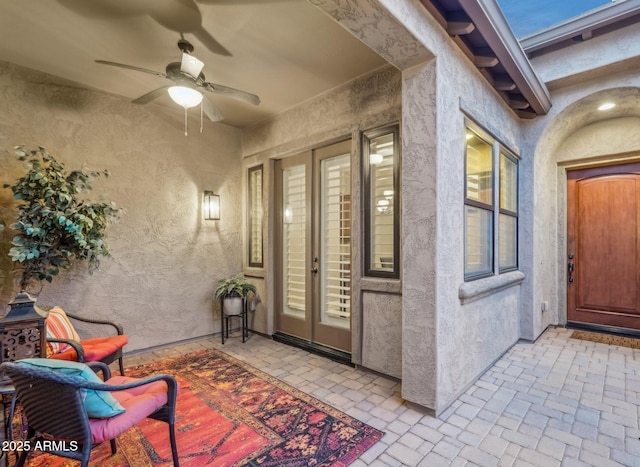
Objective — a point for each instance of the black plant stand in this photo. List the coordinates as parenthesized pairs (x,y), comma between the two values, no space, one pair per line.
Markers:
(224,322)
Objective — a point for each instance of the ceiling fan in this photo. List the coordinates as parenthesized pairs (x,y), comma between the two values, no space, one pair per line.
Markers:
(188,84)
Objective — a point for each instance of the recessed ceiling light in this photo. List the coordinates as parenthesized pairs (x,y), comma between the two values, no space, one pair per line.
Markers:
(607,106)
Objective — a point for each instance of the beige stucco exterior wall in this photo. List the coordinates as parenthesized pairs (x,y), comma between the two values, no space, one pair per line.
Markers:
(573,134)
(600,55)
(166,259)
(460,340)
(368,102)
(446,345)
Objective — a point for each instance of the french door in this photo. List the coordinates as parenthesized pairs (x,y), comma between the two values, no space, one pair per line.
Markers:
(313,192)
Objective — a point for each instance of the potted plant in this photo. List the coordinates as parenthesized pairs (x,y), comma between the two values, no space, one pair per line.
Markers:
(232,291)
(56,224)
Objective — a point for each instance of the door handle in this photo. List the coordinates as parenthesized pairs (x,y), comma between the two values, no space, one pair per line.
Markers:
(570,268)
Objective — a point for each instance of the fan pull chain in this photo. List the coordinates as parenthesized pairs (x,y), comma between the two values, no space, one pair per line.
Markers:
(201,116)
(185,121)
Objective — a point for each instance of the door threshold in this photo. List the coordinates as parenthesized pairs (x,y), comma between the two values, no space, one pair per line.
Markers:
(603,328)
(314,348)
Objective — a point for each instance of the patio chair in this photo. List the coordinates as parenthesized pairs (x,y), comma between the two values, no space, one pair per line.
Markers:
(65,343)
(58,406)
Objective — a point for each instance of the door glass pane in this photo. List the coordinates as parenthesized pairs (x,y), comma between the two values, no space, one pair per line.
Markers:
(294,240)
(381,163)
(479,169)
(335,241)
(478,241)
(507,241)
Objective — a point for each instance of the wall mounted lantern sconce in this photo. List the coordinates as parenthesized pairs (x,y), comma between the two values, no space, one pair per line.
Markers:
(211,206)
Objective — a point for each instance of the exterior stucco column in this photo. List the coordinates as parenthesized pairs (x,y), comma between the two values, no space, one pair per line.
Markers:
(419,232)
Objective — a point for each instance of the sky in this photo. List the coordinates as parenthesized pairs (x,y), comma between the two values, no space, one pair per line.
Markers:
(527,16)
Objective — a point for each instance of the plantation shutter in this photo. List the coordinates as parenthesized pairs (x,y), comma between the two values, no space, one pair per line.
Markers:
(335,239)
(294,239)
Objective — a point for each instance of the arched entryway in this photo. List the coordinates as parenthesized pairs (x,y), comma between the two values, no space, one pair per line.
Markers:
(584,144)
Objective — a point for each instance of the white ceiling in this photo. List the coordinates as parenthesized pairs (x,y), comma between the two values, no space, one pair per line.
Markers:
(285,51)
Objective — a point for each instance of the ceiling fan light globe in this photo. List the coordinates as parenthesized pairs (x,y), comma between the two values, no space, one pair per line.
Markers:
(184,96)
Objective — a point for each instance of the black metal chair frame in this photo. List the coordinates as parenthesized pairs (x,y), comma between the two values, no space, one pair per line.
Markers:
(53,405)
(77,346)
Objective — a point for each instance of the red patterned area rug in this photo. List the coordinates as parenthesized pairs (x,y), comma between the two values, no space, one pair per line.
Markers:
(232,414)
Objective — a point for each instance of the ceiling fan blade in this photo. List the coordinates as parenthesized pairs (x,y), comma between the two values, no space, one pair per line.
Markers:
(210,110)
(131,67)
(148,97)
(210,42)
(231,92)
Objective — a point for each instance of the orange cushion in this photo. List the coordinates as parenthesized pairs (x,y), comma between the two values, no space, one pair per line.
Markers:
(59,327)
(95,348)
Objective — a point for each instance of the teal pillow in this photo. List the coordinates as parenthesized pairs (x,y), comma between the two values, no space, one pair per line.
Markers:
(99,404)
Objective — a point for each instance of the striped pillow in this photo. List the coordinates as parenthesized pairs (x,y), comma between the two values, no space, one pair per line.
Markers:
(59,327)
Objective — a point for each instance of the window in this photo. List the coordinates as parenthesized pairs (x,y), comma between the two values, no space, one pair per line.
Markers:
(381,201)
(254,221)
(508,232)
(491,206)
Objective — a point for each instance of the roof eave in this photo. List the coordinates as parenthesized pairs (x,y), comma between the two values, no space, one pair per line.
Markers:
(491,23)
(580,25)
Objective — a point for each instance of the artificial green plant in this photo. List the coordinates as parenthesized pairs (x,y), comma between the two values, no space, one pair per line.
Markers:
(56,226)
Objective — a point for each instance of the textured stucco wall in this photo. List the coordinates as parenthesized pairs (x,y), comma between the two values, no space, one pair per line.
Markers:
(604,138)
(491,323)
(368,102)
(597,56)
(382,333)
(437,364)
(166,260)
(573,133)
(419,235)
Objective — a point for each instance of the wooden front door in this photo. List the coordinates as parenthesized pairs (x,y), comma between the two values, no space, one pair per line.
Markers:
(603,257)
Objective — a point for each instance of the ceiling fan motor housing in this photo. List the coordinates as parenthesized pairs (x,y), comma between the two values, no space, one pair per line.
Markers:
(174,73)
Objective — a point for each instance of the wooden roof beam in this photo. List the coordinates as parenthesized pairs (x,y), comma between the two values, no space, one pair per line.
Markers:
(459,24)
(484,57)
(484,61)
(528,113)
(460,28)
(518,103)
(503,83)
